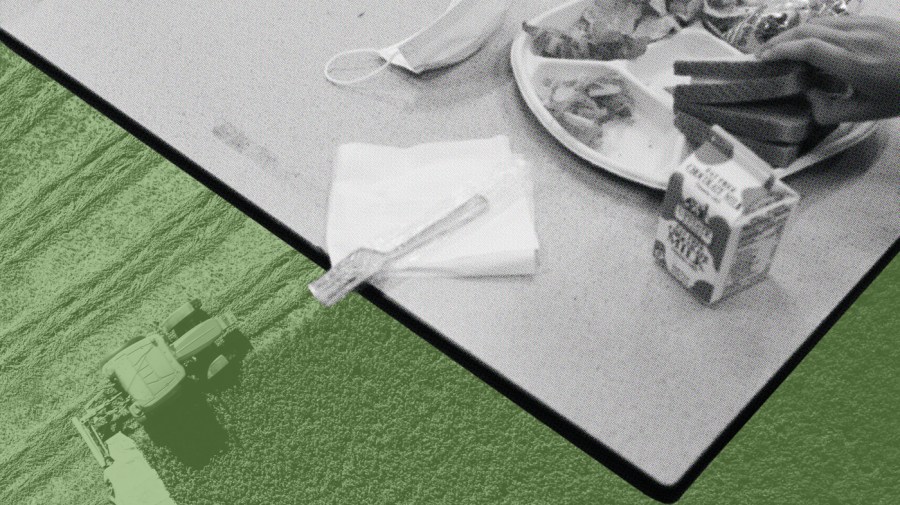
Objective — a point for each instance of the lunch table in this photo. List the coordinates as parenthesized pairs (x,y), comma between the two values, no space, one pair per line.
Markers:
(601,344)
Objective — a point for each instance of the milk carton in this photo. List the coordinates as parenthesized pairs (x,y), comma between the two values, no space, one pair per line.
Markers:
(722,218)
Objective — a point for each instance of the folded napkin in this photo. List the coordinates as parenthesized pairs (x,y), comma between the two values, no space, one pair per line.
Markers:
(380,190)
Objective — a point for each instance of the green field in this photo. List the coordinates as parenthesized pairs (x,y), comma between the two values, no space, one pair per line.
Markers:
(100,238)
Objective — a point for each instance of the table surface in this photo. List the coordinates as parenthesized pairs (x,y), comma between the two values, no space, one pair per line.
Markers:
(601,335)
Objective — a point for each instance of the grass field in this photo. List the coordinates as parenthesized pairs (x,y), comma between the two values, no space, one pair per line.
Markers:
(100,238)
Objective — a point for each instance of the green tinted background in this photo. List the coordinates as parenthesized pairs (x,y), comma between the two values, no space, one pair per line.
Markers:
(101,237)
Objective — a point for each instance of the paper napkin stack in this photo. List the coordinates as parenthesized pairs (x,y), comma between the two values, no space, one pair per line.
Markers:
(378,190)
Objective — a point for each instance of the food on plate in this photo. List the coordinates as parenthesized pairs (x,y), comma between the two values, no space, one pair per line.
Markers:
(606,30)
(785,121)
(775,154)
(734,69)
(778,131)
(686,11)
(747,24)
(553,43)
(740,81)
(762,103)
(583,106)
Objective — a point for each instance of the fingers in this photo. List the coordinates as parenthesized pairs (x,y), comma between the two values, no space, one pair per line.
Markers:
(844,31)
(852,22)
(857,50)
(833,59)
(805,31)
(827,109)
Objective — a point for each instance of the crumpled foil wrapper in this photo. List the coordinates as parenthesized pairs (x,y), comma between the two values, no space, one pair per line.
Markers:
(748,24)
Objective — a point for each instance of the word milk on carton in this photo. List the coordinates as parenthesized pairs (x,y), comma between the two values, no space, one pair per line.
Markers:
(722,218)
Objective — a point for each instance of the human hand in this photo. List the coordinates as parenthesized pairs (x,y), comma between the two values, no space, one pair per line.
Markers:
(861,51)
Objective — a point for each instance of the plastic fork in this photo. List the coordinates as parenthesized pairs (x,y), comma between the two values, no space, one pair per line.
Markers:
(364,263)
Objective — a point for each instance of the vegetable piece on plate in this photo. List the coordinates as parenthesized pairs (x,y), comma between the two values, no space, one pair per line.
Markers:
(553,43)
(606,30)
(686,11)
(583,106)
(655,28)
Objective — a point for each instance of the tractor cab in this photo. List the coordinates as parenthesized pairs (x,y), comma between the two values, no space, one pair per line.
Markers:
(150,370)
(147,371)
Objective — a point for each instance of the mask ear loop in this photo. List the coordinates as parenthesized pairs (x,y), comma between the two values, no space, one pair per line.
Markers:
(366,77)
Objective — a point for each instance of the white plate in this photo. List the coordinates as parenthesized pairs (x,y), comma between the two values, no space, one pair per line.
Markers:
(647,151)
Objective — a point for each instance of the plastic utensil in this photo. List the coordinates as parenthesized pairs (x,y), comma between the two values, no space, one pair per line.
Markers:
(366,262)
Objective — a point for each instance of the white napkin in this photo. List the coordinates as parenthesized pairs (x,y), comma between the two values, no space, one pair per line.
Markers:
(378,190)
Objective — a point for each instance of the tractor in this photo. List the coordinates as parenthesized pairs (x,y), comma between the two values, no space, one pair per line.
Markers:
(148,371)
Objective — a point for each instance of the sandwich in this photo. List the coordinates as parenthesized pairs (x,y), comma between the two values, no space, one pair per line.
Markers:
(786,121)
(740,81)
(776,154)
(762,103)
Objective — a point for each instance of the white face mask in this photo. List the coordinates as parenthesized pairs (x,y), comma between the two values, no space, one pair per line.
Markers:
(454,36)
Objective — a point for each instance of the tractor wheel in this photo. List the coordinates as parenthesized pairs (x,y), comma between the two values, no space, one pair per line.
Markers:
(137,413)
(111,497)
(181,320)
(216,366)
